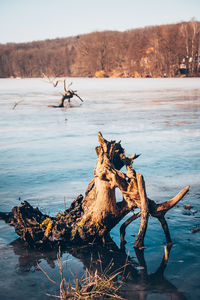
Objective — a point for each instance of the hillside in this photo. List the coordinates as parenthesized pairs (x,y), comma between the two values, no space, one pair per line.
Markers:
(157,51)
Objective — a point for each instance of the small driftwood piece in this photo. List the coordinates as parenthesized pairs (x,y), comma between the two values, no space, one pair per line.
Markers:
(17,103)
(91,218)
(195,230)
(68,93)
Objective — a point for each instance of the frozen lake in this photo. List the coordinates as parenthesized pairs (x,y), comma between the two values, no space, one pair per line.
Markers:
(47,155)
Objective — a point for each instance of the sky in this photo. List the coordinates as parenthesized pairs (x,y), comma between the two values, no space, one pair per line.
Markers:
(29,20)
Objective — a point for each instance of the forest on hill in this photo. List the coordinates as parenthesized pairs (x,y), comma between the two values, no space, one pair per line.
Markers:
(156,51)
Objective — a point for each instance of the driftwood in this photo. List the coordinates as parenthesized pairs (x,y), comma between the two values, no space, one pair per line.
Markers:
(68,93)
(195,230)
(17,103)
(91,218)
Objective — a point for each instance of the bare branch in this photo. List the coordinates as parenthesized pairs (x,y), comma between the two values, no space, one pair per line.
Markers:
(16,103)
(65,86)
(78,96)
(165,228)
(195,230)
(164,207)
(51,81)
(144,211)
(126,223)
(45,273)
(69,85)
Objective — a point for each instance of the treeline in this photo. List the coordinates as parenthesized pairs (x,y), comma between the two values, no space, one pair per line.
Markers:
(157,51)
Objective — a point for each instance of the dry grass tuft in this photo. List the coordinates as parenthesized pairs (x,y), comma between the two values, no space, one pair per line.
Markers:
(91,286)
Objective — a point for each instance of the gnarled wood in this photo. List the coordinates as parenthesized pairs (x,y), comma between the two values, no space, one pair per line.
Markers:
(91,218)
(139,243)
(125,224)
(68,93)
(164,207)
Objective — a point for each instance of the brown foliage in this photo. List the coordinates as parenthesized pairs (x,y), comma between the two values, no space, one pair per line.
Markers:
(155,51)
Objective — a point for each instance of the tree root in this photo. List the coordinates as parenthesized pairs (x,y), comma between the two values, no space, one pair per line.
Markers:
(91,218)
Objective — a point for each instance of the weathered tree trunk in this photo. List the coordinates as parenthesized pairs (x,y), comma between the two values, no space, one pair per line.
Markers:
(92,217)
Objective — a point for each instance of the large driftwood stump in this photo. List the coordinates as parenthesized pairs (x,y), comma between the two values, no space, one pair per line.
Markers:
(91,218)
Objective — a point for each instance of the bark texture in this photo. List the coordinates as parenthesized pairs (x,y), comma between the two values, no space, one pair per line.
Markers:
(91,218)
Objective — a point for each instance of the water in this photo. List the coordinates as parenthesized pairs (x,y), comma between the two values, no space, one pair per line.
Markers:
(47,155)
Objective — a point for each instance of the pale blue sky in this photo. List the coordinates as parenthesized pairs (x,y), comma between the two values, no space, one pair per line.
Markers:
(28,20)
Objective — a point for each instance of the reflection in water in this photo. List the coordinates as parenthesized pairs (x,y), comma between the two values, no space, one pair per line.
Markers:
(137,283)
(29,258)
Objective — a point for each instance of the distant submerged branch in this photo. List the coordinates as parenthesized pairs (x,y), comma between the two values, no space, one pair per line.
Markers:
(17,103)
(68,93)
